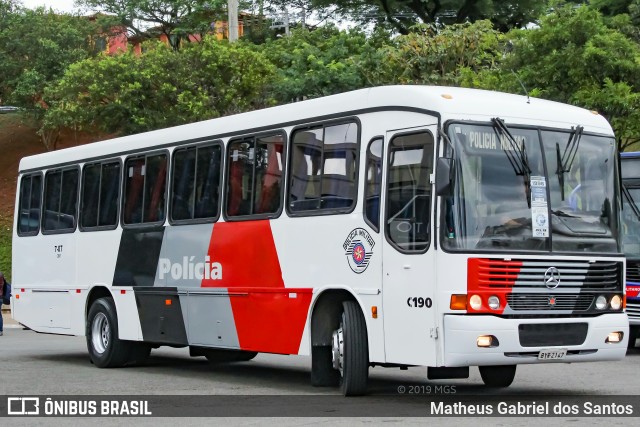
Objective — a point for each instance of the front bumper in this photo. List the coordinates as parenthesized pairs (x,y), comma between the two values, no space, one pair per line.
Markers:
(461,333)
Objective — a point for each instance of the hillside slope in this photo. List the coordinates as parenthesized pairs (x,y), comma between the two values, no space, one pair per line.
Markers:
(18,139)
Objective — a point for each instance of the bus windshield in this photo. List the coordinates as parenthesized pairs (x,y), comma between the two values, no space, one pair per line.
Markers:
(530,190)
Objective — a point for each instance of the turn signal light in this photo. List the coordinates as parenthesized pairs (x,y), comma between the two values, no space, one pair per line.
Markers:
(374,312)
(458,302)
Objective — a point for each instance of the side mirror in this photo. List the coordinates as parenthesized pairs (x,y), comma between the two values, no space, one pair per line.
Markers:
(444,176)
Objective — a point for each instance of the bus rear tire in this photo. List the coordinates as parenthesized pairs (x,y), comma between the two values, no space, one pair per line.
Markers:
(351,350)
(106,350)
(498,376)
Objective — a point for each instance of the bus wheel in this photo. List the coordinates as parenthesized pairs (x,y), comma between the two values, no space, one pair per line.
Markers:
(105,349)
(498,376)
(351,350)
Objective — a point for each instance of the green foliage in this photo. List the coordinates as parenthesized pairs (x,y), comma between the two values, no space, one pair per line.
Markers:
(315,63)
(5,248)
(575,57)
(425,56)
(126,93)
(177,19)
(36,46)
(401,15)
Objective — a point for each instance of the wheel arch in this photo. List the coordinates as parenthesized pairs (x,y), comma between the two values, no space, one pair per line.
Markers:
(97,292)
(325,314)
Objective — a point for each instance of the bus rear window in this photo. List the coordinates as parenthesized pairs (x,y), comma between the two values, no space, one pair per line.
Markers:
(30,201)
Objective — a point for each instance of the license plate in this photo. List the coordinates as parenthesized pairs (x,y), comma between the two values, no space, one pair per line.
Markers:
(552,354)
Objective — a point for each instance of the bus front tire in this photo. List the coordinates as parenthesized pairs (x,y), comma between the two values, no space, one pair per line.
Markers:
(498,376)
(351,350)
(106,350)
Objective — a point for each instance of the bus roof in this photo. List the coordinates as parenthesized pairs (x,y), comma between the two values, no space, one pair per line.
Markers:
(447,102)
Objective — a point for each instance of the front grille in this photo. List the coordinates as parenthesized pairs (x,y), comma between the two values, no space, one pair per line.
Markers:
(575,302)
(633,310)
(552,334)
(498,273)
(633,271)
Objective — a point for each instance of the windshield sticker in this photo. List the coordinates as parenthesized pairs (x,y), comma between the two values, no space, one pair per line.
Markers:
(479,142)
(539,210)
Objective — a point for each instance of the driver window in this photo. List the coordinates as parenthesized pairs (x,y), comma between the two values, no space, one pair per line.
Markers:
(407,220)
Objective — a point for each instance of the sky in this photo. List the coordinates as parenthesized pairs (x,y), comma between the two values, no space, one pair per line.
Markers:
(59,5)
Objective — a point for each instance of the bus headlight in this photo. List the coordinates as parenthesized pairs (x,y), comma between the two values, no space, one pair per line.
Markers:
(494,302)
(475,302)
(601,302)
(616,302)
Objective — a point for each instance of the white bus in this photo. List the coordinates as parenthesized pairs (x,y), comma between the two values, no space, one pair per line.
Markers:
(392,226)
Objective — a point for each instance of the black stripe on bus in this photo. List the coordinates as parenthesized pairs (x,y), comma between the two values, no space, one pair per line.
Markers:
(161,317)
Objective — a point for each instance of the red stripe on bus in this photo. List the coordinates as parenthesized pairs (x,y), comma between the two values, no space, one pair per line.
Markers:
(247,253)
(490,277)
(271,322)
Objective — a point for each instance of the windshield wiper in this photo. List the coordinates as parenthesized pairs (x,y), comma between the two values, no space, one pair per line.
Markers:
(565,162)
(516,154)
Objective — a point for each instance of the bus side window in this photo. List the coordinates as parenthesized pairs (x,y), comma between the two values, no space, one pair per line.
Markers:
(373,183)
(145,185)
(255,168)
(30,201)
(323,172)
(100,193)
(409,191)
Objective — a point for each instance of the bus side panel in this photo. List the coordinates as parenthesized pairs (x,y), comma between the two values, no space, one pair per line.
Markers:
(45,267)
(312,255)
(268,316)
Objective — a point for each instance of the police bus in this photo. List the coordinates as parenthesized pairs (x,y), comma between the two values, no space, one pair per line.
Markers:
(392,226)
(630,230)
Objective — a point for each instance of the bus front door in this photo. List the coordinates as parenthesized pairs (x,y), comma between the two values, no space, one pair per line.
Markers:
(409,262)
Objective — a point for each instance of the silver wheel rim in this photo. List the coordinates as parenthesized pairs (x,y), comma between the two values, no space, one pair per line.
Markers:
(100,333)
(337,353)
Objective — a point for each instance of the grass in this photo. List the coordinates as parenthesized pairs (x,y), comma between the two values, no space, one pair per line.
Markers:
(5,248)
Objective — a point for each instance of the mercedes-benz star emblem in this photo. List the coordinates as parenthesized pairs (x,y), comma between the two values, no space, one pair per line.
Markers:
(552,278)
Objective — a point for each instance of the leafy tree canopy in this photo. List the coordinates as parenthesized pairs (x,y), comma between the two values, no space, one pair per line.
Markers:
(129,94)
(177,19)
(36,47)
(401,15)
(575,57)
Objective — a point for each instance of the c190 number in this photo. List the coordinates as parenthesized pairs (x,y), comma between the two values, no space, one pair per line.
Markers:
(419,302)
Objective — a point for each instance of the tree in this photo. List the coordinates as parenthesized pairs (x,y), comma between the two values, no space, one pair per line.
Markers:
(176,19)
(315,63)
(160,88)
(401,15)
(36,47)
(575,57)
(426,56)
